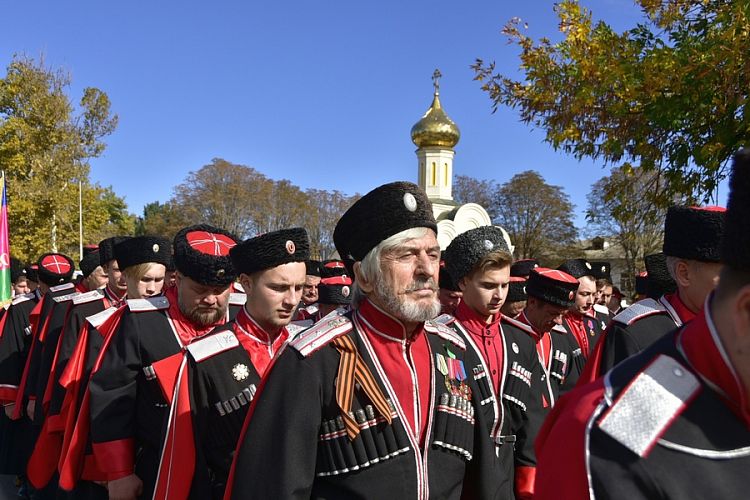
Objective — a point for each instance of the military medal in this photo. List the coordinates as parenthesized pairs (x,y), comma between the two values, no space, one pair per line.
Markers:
(240,372)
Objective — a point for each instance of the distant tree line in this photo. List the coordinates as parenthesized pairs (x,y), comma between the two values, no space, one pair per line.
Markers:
(246,202)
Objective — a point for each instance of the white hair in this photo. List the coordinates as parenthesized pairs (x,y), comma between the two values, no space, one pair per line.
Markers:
(370,265)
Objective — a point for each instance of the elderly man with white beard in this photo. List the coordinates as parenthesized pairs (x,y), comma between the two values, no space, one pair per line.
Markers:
(379,402)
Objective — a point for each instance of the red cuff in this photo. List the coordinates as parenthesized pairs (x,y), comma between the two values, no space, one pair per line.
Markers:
(525,477)
(8,394)
(115,458)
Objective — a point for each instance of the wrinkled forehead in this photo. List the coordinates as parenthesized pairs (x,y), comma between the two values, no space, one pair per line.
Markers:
(427,242)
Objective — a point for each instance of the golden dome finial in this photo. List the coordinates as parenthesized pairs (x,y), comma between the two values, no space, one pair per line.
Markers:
(435,129)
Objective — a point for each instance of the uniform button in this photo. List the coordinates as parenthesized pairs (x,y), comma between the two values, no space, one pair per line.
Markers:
(494,372)
(488,342)
(677,372)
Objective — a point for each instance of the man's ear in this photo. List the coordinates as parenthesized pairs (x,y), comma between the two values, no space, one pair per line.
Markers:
(682,273)
(462,284)
(741,315)
(246,282)
(359,278)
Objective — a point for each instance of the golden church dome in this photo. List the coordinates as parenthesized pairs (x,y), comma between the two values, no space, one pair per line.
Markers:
(435,129)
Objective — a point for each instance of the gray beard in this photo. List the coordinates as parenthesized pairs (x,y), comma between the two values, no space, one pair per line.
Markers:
(403,309)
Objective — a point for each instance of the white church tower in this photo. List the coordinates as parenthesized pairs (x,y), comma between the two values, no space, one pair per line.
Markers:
(435,136)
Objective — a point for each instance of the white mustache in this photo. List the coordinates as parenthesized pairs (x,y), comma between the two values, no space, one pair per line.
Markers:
(422,285)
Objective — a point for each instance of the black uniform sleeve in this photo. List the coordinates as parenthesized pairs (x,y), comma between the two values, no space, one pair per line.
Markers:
(277,454)
(113,400)
(619,344)
(13,350)
(530,420)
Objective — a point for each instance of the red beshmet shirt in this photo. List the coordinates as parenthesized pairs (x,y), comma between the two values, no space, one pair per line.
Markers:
(257,342)
(406,362)
(487,336)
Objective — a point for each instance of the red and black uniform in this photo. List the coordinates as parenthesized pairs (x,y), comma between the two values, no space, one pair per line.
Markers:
(352,409)
(509,376)
(584,332)
(128,410)
(633,330)
(670,422)
(210,388)
(555,350)
(49,447)
(15,339)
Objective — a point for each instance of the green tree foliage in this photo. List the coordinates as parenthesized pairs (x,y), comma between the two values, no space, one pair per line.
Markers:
(45,145)
(470,190)
(669,94)
(621,208)
(245,202)
(537,216)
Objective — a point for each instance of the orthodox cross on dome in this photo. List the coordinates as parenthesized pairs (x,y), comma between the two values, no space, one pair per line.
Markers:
(436,80)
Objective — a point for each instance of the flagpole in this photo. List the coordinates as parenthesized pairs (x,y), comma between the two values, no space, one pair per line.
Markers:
(80,219)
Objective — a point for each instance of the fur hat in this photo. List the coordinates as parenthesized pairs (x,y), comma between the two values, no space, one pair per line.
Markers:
(16,270)
(468,248)
(378,215)
(553,286)
(32,272)
(270,250)
(601,270)
(577,268)
(641,283)
(201,253)
(516,289)
(522,268)
(107,248)
(143,249)
(88,263)
(335,290)
(312,268)
(658,279)
(694,233)
(55,269)
(331,268)
(735,246)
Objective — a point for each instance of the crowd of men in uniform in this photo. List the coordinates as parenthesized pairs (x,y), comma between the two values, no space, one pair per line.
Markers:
(209,367)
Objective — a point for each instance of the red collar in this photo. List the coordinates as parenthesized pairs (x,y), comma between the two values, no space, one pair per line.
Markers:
(683,313)
(702,347)
(185,328)
(113,298)
(249,326)
(476,323)
(380,322)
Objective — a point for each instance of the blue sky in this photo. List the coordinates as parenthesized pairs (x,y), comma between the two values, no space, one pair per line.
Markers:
(321,93)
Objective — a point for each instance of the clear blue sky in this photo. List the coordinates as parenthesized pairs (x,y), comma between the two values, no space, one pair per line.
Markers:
(321,93)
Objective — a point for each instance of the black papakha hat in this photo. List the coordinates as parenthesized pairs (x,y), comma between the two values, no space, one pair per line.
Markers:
(107,248)
(201,253)
(87,249)
(32,272)
(312,268)
(331,268)
(270,250)
(516,289)
(88,263)
(446,282)
(576,268)
(641,283)
(601,270)
(735,245)
(658,279)
(335,290)
(468,248)
(522,268)
(143,249)
(694,233)
(55,269)
(378,215)
(553,286)
(16,269)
